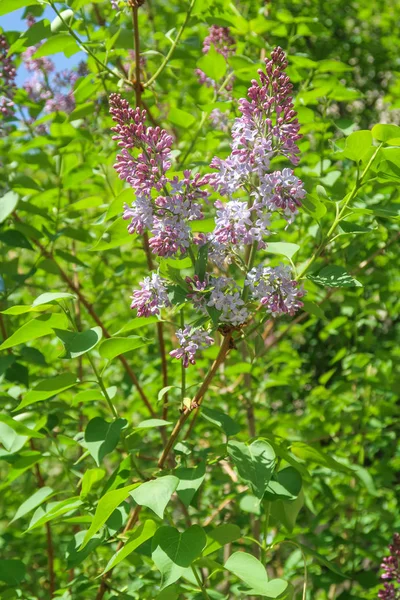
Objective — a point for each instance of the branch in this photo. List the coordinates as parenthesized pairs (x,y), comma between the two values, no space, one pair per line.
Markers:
(197,400)
(172,49)
(49,537)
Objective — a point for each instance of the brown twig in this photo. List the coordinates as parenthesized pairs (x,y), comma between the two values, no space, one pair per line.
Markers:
(135,23)
(198,398)
(49,537)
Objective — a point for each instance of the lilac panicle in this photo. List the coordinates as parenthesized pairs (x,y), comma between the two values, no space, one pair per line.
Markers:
(391,572)
(268,127)
(222,40)
(275,288)
(147,169)
(191,341)
(7,77)
(151,297)
(162,205)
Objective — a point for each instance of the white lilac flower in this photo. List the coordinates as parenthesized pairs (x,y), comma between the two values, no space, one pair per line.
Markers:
(191,341)
(151,297)
(275,288)
(225,297)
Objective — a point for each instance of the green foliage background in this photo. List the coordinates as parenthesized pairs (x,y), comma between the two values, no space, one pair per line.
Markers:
(323,387)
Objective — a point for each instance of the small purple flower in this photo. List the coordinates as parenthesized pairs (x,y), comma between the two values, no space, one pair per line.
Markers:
(8,74)
(140,214)
(280,190)
(268,127)
(219,119)
(391,572)
(144,170)
(191,341)
(43,64)
(222,40)
(275,289)
(226,297)
(151,297)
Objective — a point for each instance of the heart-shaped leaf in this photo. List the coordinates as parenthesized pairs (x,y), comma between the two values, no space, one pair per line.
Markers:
(255,463)
(102,437)
(156,494)
(173,552)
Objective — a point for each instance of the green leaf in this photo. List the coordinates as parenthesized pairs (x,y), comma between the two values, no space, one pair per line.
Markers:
(62,42)
(7,204)
(53,511)
(105,507)
(116,346)
(174,552)
(312,454)
(47,388)
(190,480)
(249,569)
(32,502)
(34,329)
(285,485)
(286,511)
(284,248)
(150,423)
(334,276)
(156,494)
(386,133)
(224,534)
(77,343)
(222,420)
(7,6)
(49,297)
(102,437)
(12,572)
(213,64)
(358,144)
(181,118)
(143,533)
(321,559)
(313,309)
(314,207)
(89,479)
(115,236)
(255,463)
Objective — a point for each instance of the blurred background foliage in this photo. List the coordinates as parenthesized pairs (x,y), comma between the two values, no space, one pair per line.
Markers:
(324,386)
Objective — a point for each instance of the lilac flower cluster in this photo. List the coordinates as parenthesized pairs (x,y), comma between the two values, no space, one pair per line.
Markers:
(151,297)
(268,127)
(391,572)
(165,207)
(224,44)
(275,289)
(56,91)
(219,119)
(143,162)
(7,77)
(191,341)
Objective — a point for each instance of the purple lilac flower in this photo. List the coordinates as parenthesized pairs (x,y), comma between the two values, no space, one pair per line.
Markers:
(275,289)
(219,119)
(147,169)
(167,216)
(222,40)
(151,297)
(43,64)
(226,297)
(7,77)
(268,127)
(281,190)
(391,572)
(225,45)
(30,20)
(191,341)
